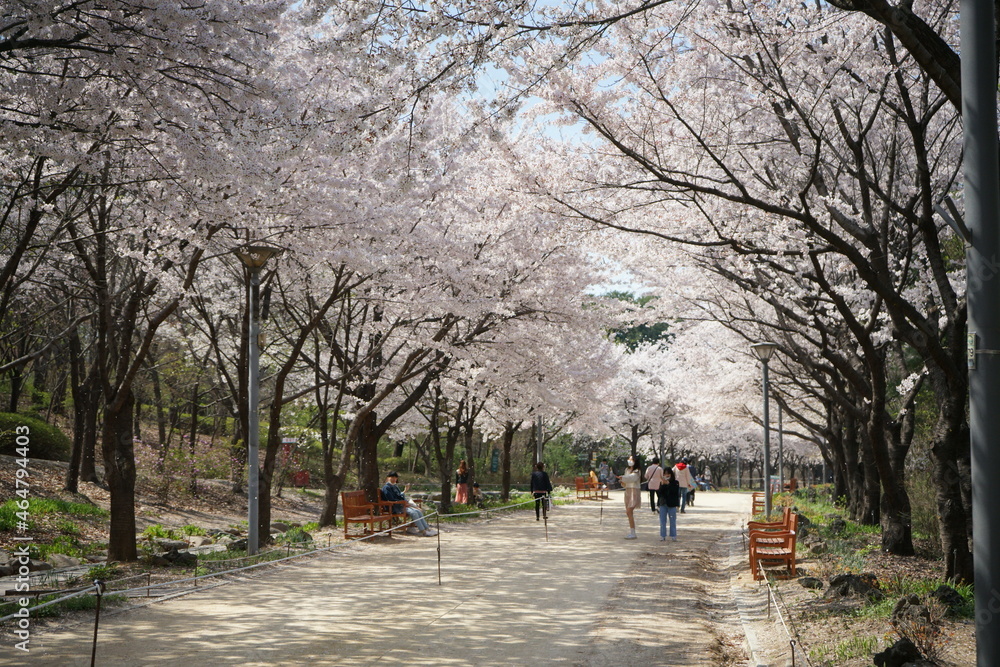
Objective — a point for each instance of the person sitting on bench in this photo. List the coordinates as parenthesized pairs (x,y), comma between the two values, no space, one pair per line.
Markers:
(391,492)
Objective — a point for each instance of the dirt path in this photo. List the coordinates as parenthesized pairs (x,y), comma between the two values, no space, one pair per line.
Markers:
(507,596)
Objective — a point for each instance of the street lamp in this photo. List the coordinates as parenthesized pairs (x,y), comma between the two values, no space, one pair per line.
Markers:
(253,257)
(764,352)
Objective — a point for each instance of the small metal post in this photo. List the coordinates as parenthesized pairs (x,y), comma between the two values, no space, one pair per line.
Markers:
(97,619)
(545,515)
(437,522)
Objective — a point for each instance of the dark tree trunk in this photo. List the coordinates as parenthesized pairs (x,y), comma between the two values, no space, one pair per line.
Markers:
(16,385)
(509,430)
(193,442)
(76,371)
(119,469)
(950,447)
(91,397)
(367,449)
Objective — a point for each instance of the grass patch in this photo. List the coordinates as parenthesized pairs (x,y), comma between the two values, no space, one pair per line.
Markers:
(899,586)
(43,506)
(849,649)
(156,531)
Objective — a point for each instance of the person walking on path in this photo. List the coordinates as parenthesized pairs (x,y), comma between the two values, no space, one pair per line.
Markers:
(540,487)
(462,483)
(694,482)
(633,496)
(668,498)
(684,479)
(653,477)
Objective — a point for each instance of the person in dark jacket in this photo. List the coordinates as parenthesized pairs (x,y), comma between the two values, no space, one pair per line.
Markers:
(391,491)
(540,487)
(668,499)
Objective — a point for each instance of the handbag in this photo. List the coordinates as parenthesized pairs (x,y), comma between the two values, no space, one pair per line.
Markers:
(644,486)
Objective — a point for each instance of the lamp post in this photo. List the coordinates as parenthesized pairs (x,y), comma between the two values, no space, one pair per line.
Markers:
(781,452)
(253,257)
(764,352)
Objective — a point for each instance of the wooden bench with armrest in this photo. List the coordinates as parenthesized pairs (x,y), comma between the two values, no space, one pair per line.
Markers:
(785,523)
(357,510)
(773,543)
(758,503)
(584,489)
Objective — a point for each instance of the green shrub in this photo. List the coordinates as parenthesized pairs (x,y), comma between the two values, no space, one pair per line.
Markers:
(104,572)
(294,534)
(67,527)
(158,531)
(61,544)
(44,440)
(191,529)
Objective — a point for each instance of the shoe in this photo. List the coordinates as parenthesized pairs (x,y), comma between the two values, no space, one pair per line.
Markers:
(663,539)
(683,512)
(630,536)
(673,539)
(430,532)
(413,530)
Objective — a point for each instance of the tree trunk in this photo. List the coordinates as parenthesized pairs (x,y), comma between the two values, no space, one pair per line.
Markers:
(193,442)
(367,450)
(119,470)
(91,397)
(951,442)
(509,430)
(76,370)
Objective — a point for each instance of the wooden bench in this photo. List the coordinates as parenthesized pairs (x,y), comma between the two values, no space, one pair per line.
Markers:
(357,510)
(773,543)
(785,523)
(758,503)
(588,490)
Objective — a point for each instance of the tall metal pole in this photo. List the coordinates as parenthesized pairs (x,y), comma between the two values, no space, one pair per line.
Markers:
(538,440)
(767,449)
(253,437)
(781,452)
(982,211)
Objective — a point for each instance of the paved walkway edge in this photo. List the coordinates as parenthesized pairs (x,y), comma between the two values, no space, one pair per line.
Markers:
(743,599)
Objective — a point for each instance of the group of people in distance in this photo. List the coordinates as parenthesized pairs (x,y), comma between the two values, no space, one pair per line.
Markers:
(669,489)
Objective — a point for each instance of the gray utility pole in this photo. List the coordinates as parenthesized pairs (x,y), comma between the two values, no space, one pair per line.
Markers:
(253,389)
(781,453)
(982,207)
(764,352)
(538,440)
(254,257)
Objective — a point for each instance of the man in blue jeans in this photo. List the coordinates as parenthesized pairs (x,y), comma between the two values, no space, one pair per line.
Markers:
(390,491)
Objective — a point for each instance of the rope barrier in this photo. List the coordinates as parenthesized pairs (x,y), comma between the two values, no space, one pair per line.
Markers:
(793,642)
(307,553)
(99,587)
(77,594)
